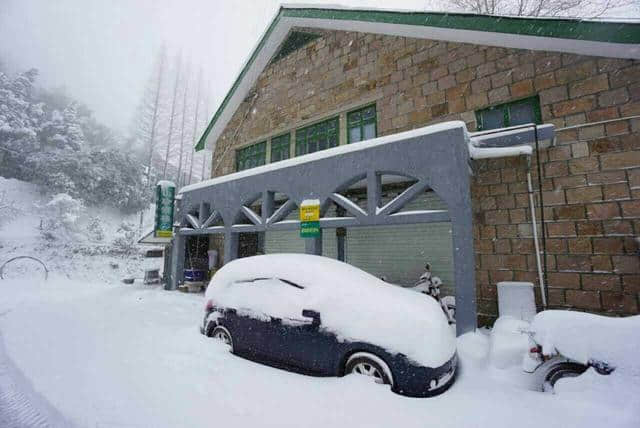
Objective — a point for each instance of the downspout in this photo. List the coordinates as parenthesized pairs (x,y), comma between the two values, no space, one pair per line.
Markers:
(541,278)
(520,150)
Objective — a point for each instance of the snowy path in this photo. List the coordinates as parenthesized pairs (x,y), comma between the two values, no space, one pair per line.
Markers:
(128,356)
(20,407)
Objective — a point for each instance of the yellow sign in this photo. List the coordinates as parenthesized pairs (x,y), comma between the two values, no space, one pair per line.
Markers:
(310,210)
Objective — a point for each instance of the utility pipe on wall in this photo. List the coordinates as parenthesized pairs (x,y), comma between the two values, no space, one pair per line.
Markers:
(479,152)
(535,235)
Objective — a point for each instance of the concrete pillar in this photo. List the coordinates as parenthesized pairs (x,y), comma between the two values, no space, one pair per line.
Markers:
(313,245)
(177,262)
(204,212)
(231,241)
(464,270)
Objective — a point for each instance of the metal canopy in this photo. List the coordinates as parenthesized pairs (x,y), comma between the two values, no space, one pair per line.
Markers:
(435,157)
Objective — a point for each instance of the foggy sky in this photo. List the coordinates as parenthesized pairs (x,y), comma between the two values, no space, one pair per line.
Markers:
(102,51)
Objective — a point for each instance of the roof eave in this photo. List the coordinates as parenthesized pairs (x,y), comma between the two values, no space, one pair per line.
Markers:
(611,39)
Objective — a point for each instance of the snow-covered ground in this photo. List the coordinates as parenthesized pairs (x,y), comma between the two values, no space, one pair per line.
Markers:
(81,349)
(131,356)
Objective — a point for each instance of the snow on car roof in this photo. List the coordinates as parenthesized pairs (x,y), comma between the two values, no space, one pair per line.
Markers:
(353,304)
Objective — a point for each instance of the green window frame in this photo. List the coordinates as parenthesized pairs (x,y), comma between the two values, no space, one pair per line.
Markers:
(509,114)
(281,147)
(251,156)
(362,124)
(319,136)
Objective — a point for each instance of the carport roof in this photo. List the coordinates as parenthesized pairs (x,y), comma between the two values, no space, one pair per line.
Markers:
(618,39)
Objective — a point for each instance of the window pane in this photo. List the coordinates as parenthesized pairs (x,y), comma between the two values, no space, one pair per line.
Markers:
(520,114)
(280,148)
(354,134)
(362,124)
(316,137)
(369,131)
(251,156)
(369,113)
(492,119)
(322,143)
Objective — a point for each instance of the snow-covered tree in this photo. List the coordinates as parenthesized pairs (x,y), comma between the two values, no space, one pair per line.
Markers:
(20,121)
(61,217)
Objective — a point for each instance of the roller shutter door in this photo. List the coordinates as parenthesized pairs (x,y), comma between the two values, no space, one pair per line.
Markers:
(289,241)
(399,253)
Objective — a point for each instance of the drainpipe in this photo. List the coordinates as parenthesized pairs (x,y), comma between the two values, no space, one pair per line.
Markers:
(487,152)
(534,225)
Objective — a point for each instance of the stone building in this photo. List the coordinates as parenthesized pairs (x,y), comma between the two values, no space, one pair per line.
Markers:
(326,77)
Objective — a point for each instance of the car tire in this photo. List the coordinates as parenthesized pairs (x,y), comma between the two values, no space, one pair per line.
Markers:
(222,334)
(368,364)
(560,370)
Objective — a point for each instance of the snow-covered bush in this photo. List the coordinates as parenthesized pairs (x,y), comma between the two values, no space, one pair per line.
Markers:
(7,208)
(125,242)
(61,217)
(95,229)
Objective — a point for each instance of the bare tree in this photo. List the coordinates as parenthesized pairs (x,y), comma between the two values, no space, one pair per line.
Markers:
(149,115)
(195,126)
(207,105)
(172,115)
(582,8)
(156,108)
(184,117)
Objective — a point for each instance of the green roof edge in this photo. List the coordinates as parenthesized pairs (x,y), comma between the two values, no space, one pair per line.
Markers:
(201,142)
(596,31)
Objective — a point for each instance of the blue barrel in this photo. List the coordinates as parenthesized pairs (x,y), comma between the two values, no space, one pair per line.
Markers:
(194,275)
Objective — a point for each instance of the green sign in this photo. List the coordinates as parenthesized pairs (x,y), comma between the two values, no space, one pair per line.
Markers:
(165,193)
(309,229)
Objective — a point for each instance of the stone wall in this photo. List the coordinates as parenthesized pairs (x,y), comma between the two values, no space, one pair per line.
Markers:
(591,179)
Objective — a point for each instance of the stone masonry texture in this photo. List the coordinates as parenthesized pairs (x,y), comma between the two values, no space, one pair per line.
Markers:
(590,178)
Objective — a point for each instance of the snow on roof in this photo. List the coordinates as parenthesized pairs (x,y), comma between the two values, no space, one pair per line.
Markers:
(353,304)
(579,36)
(335,151)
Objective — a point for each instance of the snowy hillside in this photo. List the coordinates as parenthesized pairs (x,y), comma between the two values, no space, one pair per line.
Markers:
(72,240)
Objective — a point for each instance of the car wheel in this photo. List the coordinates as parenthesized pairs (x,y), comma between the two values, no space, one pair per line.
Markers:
(222,334)
(561,370)
(367,364)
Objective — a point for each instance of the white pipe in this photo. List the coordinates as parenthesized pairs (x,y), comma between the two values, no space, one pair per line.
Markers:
(535,240)
(498,152)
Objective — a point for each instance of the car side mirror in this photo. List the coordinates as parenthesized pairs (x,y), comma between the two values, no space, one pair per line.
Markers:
(314,315)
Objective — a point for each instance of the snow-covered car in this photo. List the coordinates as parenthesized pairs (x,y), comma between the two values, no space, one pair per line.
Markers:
(319,316)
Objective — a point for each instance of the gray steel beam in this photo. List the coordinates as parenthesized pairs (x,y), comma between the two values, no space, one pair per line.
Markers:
(437,157)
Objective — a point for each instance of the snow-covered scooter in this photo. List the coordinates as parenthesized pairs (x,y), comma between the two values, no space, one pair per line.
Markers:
(430,285)
(548,366)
